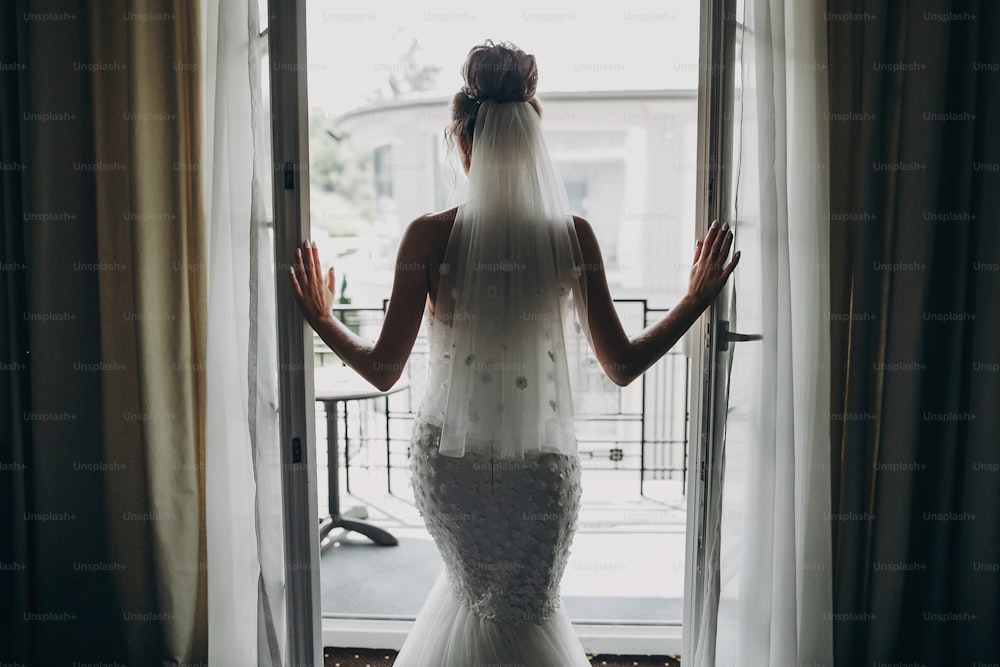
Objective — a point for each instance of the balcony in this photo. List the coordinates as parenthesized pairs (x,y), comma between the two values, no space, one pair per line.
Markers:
(626,569)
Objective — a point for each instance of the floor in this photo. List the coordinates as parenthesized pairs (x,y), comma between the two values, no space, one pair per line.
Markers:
(350,657)
(626,563)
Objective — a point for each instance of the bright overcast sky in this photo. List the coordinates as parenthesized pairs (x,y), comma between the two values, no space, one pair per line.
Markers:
(627,45)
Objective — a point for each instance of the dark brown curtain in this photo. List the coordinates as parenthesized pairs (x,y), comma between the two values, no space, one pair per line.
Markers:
(915,324)
(103,335)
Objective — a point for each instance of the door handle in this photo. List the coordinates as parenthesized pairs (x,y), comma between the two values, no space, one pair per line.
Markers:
(726,337)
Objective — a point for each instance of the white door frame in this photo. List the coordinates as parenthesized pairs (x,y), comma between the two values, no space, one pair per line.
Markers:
(290,146)
(715,89)
(289,102)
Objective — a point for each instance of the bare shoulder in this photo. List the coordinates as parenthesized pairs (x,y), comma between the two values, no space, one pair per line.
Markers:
(439,220)
(432,228)
(588,240)
(447,216)
(427,232)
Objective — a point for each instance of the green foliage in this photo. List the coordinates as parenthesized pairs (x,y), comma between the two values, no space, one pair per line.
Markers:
(341,179)
(343,291)
(342,173)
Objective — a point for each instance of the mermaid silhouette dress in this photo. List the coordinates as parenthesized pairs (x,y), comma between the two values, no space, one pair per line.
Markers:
(504,530)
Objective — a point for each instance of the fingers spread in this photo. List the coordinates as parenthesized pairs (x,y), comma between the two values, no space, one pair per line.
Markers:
(732,265)
(306,263)
(712,240)
(726,245)
(295,284)
(317,270)
(300,267)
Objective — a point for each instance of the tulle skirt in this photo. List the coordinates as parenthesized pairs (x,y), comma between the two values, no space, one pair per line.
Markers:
(447,634)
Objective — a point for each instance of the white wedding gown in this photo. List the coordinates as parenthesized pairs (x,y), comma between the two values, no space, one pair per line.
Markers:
(494,463)
(497,600)
(504,530)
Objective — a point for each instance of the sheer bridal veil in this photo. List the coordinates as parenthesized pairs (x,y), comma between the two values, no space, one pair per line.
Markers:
(511,301)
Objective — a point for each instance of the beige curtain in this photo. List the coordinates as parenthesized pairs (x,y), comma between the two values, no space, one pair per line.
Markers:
(105,321)
(915,287)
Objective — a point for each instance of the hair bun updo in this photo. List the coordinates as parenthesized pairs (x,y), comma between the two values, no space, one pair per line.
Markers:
(500,72)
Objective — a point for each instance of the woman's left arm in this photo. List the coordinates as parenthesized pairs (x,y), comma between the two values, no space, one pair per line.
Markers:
(380,364)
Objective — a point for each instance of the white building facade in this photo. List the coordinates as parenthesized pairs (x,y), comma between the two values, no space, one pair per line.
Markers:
(627,160)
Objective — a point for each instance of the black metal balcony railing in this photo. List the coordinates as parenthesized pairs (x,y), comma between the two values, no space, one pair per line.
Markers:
(644,431)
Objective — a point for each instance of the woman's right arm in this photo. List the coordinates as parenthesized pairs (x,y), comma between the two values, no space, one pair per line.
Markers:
(625,359)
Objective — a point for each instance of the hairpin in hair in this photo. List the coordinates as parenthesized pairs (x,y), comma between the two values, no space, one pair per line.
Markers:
(470,95)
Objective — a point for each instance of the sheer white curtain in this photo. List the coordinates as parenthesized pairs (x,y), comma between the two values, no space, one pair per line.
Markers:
(775,597)
(246,587)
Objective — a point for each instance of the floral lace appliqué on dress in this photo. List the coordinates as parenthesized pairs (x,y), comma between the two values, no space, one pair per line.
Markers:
(504,529)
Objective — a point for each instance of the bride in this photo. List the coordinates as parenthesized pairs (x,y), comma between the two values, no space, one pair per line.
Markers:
(504,280)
